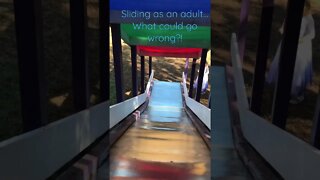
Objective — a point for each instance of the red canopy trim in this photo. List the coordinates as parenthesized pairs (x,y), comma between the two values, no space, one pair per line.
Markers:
(169,52)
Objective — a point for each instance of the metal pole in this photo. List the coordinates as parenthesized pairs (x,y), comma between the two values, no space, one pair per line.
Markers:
(80,80)
(287,62)
(150,65)
(193,71)
(262,56)
(210,71)
(104,52)
(243,27)
(201,73)
(142,74)
(117,58)
(134,71)
(28,22)
(315,138)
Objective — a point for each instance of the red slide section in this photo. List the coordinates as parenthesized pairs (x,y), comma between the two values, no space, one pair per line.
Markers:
(169,52)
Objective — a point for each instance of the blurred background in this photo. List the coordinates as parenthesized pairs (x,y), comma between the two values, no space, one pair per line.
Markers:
(57,56)
(225,20)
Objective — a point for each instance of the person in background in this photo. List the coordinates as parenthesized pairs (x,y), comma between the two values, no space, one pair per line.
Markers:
(303,66)
(186,66)
(205,82)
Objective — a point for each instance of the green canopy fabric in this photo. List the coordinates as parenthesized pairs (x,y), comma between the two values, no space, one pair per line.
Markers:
(153,36)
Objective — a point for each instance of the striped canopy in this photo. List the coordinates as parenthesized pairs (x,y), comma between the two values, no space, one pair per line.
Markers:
(163,31)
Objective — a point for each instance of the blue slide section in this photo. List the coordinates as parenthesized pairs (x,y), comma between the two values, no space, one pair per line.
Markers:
(161,5)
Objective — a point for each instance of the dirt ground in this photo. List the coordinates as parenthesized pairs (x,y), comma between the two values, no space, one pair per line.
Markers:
(166,69)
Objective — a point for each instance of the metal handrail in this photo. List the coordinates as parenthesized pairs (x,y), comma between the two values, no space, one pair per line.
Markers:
(291,157)
(121,110)
(238,77)
(201,111)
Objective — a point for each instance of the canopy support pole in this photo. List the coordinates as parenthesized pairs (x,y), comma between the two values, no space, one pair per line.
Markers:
(142,74)
(193,70)
(134,71)
(117,58)
(201,73)
(150,65)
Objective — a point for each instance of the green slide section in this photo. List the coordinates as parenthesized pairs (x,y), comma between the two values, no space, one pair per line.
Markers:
(175,35)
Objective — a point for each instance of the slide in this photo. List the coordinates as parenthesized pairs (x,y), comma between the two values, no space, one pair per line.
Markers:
(163,143)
